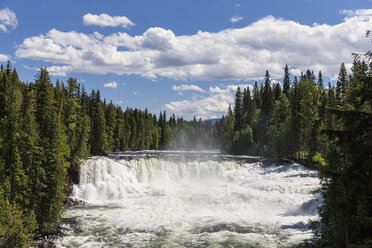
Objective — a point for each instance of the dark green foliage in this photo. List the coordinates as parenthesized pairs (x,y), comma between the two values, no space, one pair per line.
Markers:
(277,91)
(347,176)
(284,124)
(98,138)
(238,110)
(267,97)
(45,130)
(342,83)
(257,95)
(249,108)
(311,123)
(320,80)
(17,218)
(286,81)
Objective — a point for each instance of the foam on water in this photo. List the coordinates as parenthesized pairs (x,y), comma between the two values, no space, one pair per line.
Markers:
(152,202)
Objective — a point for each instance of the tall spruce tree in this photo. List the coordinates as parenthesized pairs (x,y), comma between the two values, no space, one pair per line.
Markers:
(238,110)
(256,95)
(98,139)
(249,108)
(320,80)
(286,81)
(343,79)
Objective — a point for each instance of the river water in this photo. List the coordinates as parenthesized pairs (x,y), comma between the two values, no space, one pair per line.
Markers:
(156,201)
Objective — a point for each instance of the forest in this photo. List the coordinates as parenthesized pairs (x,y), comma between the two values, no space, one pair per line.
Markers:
(329,127)
(46,129)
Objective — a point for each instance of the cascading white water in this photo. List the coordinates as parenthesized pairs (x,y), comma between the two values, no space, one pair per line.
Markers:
(153,202)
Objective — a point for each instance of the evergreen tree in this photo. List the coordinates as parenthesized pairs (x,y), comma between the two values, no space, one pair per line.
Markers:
(320,80)
(267,98)
(256,95)
(110,125)
(286,81)
(265,115)
(98,139)
(280,127)
(277,91)
(295,119)
(347,176)
(342,79)
(54,149)
(238,110)
(249,108)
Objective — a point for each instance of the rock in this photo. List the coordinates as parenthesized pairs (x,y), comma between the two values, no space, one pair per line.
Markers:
(49,244)
(46,243)
(71,202)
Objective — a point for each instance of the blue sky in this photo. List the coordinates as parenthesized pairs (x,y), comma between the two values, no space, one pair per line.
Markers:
(185,57)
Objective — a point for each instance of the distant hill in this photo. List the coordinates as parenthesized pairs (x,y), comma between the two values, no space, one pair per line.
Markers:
(214,120)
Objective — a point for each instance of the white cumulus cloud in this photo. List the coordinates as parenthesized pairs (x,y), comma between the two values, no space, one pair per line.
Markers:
(8,20)
(207,107)
(3,58)
(185,87)
(236,18)
(357,12)
(232,54)
(110,85)
(105,20)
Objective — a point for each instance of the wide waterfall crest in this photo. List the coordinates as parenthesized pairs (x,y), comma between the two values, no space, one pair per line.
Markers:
(172,202)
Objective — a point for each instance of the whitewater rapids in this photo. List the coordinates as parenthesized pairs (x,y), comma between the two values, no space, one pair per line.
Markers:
(158,202)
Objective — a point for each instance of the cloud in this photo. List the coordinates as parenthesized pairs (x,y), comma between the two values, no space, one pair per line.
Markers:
(357,12)
(119,102)
(105,20)
(232,54)
(273,82)
(184,87)
(8,20)
(3,58)
(110,85)
(236,18)
(207,107)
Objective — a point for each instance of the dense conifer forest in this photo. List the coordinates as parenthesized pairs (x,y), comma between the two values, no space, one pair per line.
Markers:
(330,127)
(46,129)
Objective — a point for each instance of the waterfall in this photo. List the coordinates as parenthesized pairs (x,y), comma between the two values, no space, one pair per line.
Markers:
(191,203)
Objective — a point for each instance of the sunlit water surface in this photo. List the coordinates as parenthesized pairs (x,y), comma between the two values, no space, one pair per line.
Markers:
(157,202)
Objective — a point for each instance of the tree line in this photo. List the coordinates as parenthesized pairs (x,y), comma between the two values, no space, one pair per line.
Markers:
(329,126)
(46,129)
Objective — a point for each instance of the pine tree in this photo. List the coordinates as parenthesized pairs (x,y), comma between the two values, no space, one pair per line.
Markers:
(267,97)
(54,149)
(347,176)
(98,140)
(256,95)
(110,125)
(265,115)
(277,91)
(249,108)
(286,81)
(295,119)
(320,80)
(342,79)
(238,110)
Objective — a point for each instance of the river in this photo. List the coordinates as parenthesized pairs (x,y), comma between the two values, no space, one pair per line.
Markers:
(151,199)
